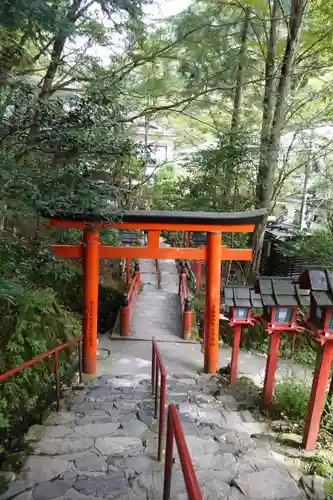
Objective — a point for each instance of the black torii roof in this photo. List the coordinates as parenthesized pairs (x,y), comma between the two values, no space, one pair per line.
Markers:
(320,284)
(281,292)
(164,216)
(241,296)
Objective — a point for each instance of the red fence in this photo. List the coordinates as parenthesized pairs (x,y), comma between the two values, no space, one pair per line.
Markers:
(157,368)
(174,430)
(185,306)
(129,303)
(52,352)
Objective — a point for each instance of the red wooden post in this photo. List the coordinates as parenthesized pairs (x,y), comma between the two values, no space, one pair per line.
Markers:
(235,351)
(91,282)
(168,460)
(198,280)
(273,349)
(162,416)
(187,320)
(57,378)
(125,318)
(317,398)
(212,306)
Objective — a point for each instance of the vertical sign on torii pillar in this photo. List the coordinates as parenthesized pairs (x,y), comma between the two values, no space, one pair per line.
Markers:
(92,250)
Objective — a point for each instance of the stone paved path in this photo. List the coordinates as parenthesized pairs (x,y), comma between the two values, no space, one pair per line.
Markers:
(157,309)
(103,445)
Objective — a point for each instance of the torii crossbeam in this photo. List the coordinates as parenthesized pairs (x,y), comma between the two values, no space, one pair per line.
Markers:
(91,250)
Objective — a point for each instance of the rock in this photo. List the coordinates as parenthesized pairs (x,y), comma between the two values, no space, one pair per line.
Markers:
(119,446)
(26,495)
(72,444)
(70,476)
(214,461)
(17,487)
(122,382)
(110,486)
(210,417)
(228,401)
(235,494)
(36,432)
(255,427)
(269,484)
(126,405)
(146,417)
(92,463)
(94,419)
(128,417)
(291,439)
(198,446)
(215,489)
(61,418)
(242,441)
(280,425)
(96,430)
(134,428)
(40,469)
(7,476)
(50,489)
(140,463)
(232,420)
(150,484)
(319,487)
(246,416)
(75,495)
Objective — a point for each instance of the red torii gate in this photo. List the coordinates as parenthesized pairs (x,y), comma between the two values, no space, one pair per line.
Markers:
(156,221)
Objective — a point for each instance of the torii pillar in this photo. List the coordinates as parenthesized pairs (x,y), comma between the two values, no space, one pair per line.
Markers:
(90,301)
(212,305)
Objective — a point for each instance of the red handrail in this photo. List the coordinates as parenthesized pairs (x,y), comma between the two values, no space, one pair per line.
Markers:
(134,290)
(156,366)
(174,430)
(183,294)
(52,352)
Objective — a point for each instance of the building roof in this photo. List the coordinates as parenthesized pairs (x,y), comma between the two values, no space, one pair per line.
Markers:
(241,296)
(164,216)
(281,292)
(320,284)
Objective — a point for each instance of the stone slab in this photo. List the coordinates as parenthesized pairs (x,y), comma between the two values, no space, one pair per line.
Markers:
(119,446)
(269,484)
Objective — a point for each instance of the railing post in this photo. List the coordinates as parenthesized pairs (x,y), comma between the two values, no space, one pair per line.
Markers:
(57,379)
(168,460)
(79,345)
(235,352)
(153,363)
(125,318)
(156,389)
(273,350)
(187,320)
(161,422)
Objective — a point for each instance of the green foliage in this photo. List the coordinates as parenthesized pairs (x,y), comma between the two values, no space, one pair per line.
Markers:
(291,397)
(314,248)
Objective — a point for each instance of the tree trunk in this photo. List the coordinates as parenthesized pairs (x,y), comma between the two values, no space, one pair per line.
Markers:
(272,124)
(238,97)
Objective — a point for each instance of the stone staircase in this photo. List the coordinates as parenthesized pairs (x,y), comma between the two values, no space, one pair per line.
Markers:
(103,444)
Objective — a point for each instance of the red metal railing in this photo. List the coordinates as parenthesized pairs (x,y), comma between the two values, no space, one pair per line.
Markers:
(52,352)
(174,430)
(185,306)
(156,368)
(158,273)
(129,303)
